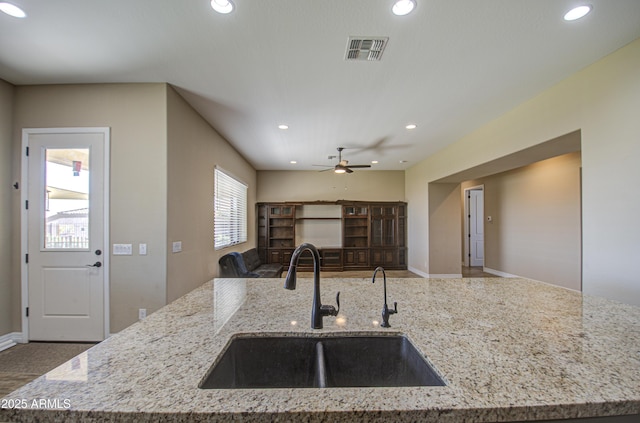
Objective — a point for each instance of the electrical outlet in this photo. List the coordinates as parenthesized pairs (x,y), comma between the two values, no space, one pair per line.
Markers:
(177,246)
(142,313)
(122,249)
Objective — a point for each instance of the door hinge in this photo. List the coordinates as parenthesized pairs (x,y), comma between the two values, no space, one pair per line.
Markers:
(26,258)
(27,152)
(26,204)
(27,312)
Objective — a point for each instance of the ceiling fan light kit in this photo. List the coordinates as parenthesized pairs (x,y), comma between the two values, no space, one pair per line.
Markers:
(343,166)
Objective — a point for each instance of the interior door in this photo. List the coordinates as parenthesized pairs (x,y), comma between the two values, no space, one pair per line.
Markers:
(66,236)
(476,227)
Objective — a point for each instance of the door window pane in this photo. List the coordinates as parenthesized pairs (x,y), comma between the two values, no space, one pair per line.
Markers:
(66,199)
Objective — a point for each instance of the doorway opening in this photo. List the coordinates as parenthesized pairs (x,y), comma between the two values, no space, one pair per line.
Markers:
(473,254)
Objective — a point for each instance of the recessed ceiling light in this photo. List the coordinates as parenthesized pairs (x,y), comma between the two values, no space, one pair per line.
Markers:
(293,162)
(222,6)
(12,10)
(411,126)
(374,162)
(577,12)
(403,7)
(283,126)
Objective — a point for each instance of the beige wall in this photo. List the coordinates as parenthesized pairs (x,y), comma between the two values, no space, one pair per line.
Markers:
(361,185)
(535,228)
(194,149)
(444,218)
(6,182)
(136,114)
(602,101)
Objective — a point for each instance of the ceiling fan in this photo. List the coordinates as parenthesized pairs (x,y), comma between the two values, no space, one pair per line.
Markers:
(343,166)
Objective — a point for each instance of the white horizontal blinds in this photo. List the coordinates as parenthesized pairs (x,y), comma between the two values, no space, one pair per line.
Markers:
(230,215)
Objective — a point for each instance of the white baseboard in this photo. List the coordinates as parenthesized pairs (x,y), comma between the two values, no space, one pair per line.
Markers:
(418,272)
(438,276)
(445,275)
(499,273)
(9,340)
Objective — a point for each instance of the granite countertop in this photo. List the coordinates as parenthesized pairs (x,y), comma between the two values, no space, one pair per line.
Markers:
(509,349)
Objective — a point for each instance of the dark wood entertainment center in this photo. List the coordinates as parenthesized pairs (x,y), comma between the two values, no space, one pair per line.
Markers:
(371,234)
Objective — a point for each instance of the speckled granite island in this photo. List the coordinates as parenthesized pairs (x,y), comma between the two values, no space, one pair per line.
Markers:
(509,350)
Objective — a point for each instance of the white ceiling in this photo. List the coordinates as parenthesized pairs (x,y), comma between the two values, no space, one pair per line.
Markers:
(449,67)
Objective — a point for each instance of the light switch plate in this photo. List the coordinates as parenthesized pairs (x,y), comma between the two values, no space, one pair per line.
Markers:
(177,246)
(122,250)
(142,249)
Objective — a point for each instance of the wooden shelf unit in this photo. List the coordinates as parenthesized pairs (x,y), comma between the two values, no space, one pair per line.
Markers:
(281,232)
(355,231)
(373,234)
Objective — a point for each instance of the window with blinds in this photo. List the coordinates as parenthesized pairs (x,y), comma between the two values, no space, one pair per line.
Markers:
(230,210)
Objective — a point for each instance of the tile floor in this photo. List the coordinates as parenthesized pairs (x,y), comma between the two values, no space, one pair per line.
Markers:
(22,363)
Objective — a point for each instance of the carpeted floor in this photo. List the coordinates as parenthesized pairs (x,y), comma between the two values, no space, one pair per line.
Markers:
(22,363)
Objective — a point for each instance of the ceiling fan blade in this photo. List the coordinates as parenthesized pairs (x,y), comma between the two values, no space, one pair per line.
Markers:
(348,170)
(359,166)
(325,167)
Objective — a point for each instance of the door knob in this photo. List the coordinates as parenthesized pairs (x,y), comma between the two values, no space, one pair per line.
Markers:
(96,264)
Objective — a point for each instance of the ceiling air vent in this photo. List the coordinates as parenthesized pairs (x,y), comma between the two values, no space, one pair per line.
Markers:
(366,48)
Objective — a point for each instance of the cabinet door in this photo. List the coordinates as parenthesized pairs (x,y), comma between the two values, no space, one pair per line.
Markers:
(383,231)
(331,258)
(355,211)
(280,256)
(261,216)
(356,258)
(383,225)
(402,226)
(286,257)
(275,256)
(384,257)
(281,211)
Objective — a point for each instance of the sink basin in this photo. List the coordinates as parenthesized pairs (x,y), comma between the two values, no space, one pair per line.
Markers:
(320,362)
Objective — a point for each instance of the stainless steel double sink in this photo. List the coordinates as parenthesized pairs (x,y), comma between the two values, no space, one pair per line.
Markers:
(258,362)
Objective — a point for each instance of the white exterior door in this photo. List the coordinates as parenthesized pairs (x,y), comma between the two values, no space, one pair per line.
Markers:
(66,233)
(476,227)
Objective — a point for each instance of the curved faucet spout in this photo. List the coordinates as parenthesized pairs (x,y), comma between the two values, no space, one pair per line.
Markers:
(386,312)
(290,279)
(318,311)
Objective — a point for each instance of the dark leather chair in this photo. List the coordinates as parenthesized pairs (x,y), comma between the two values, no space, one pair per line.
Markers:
(232,266)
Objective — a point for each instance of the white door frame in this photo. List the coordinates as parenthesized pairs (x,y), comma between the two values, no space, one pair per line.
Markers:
(467,229)
(24,225)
